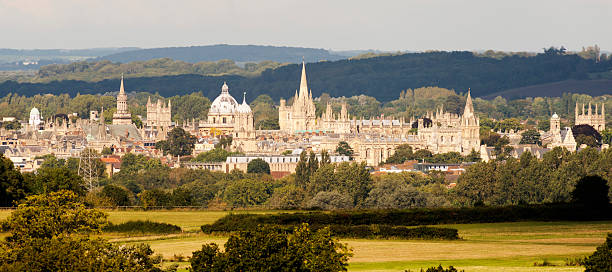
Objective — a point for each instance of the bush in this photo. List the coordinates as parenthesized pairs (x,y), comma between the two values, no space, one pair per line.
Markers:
(440,269)
(387,231)
(601,260)
(591,191)
(117,195)
(267,248)
(333,200)
(417,217)
(258,166)
(142,227)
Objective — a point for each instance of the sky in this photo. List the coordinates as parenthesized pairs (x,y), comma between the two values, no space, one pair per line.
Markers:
(402,25)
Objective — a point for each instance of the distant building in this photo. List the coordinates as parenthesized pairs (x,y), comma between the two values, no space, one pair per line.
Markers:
(597,119)
(35,119)
(158,114)
(301,115)
(122,116)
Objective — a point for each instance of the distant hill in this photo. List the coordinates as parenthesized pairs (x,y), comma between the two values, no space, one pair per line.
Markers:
(381,77)
(593,87)
(237,53)
(32,59)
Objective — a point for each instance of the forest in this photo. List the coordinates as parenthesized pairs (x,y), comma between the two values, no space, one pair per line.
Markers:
(381,77)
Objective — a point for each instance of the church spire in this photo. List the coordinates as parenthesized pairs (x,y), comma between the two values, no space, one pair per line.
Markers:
(469,106)
(303,82)
(121,89)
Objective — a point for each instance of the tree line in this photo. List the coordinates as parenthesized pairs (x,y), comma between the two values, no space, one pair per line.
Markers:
(382,77)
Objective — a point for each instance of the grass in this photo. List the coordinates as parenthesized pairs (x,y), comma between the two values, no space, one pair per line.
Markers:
(510,247)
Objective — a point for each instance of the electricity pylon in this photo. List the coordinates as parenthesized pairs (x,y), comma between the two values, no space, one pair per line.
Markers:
(87,168)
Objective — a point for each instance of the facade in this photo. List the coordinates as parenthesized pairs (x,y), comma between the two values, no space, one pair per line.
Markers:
(560,137)
(300,116)
(227,117)
(122,116)
(35,119)
(597,119)
(158,114)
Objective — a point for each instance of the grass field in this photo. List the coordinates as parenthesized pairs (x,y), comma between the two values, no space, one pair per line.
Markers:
(512,247)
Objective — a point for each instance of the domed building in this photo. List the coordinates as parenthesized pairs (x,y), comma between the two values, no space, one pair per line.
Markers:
(227,117)
(35,119)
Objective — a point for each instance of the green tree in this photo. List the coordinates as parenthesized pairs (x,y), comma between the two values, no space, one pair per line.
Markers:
(270,249)
(585,134)
(136,121)
(246,192)
(155,198)
(258,166)
(354,180)
(302,171)
(179,143)
(591,191)
(313,163)
(215,155)
(601,259)
(507,125)
(287,197)
(531,137)
(224,142)
(345,149)
(402,153)
(12,185)
(107,151)
(55,179)
(117,195)
(606,136)
(51,233)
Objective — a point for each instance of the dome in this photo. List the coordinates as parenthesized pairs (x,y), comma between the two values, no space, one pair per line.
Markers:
(244,107)
(224,103)
(555,116)
(34,117)
(34,112)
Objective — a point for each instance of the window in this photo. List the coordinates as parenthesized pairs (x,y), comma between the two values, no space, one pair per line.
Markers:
(224,120)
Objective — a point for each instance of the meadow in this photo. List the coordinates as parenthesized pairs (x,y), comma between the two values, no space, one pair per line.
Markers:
(508,247)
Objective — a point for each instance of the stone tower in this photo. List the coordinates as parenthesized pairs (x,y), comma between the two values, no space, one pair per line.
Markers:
(122,116)
(300,116)
(470,128)
(159,114)
(244,125)
(597,120)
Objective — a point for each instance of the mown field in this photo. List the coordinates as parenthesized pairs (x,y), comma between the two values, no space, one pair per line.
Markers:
(483,247)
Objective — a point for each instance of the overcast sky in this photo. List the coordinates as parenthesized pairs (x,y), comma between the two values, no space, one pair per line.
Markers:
(509,25)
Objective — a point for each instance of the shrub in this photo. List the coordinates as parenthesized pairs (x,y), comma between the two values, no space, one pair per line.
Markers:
(601,260)
(117,195)
(417,217)
(142,227)
(269,248)
(258,166)
(330,201)
(591,191)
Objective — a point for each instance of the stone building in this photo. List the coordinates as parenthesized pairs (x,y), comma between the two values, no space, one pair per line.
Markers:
(227,117)
(158,114)
(557,136)
(300,116)
(595,119)
(122,116)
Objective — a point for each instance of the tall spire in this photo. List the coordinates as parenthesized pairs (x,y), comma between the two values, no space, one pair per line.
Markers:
(469,106)
(121,90)
(303,82)
(244,98)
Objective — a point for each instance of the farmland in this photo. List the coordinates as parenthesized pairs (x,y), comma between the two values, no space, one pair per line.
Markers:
(484,247)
